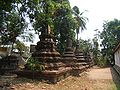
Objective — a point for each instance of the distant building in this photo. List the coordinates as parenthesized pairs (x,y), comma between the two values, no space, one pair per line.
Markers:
(117,58)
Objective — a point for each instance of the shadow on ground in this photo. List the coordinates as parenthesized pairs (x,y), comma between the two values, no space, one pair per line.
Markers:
(116,78)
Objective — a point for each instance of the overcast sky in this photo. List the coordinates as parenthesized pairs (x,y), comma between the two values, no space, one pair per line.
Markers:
(98,12)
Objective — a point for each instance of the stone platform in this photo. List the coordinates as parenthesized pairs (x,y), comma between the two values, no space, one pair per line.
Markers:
(53,76)
(56,67)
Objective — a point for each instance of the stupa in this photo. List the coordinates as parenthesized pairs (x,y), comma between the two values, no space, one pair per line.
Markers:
(45,52)
(79,55)
(69,57)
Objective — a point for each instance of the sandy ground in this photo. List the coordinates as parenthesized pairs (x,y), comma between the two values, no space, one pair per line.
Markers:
(96,74)
(92,79)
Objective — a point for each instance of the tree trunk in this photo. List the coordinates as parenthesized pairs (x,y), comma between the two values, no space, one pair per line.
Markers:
(77,36)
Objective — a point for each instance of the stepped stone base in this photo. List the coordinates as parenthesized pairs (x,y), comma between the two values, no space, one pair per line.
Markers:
(52,76)
(56,67)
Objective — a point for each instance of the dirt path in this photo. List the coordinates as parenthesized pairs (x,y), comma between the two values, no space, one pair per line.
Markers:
(92,79)
(98,73)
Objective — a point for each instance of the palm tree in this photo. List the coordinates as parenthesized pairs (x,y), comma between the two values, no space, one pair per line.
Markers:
(80,20)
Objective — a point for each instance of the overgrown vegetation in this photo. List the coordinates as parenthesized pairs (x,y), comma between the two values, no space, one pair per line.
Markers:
(64,21)
(110,37)
(34,64)
(40,13)
(102,61)
(85,46)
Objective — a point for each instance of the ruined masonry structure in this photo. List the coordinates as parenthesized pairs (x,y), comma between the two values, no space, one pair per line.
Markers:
(55,68)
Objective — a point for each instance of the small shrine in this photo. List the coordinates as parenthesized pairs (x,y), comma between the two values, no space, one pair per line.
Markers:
(45,51)
(8,63)
(79,55)
(56,68)
(69,56)
(81,62)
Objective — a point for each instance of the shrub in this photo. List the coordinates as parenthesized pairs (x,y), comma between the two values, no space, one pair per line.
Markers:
(102,61)
(35,64)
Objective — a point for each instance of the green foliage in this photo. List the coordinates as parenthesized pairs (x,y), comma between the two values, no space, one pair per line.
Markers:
(102,61)
(80,20)
(86,46)
(12,22)
(35,65)
(64,25)
(20,46)
(89,46)
(5,7)
(110,37)
(43,15)
(40,13)
(96,51)
(55,13)
(13,27)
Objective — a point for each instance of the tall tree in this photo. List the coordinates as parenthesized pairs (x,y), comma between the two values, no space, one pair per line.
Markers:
(64,24)
(12,22)
(80,20)
(13,27)
(22,49)
(55,13)
(86,46)
(96,51)
(5,7)
(110,37)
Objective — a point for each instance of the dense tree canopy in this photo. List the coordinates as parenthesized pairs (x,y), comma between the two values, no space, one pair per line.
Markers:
(5,7)
(110,37)
(39,13)
(64,25)
(86,46)
(13,27)
(55,13)
(12,22)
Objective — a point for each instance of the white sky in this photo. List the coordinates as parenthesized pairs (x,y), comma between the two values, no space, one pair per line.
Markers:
(98,12)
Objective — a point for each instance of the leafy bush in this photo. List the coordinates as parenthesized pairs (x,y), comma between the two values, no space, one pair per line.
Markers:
(35,64)
(102,61)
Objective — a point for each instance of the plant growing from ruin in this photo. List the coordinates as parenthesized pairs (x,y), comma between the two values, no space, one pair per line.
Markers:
(34,65)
